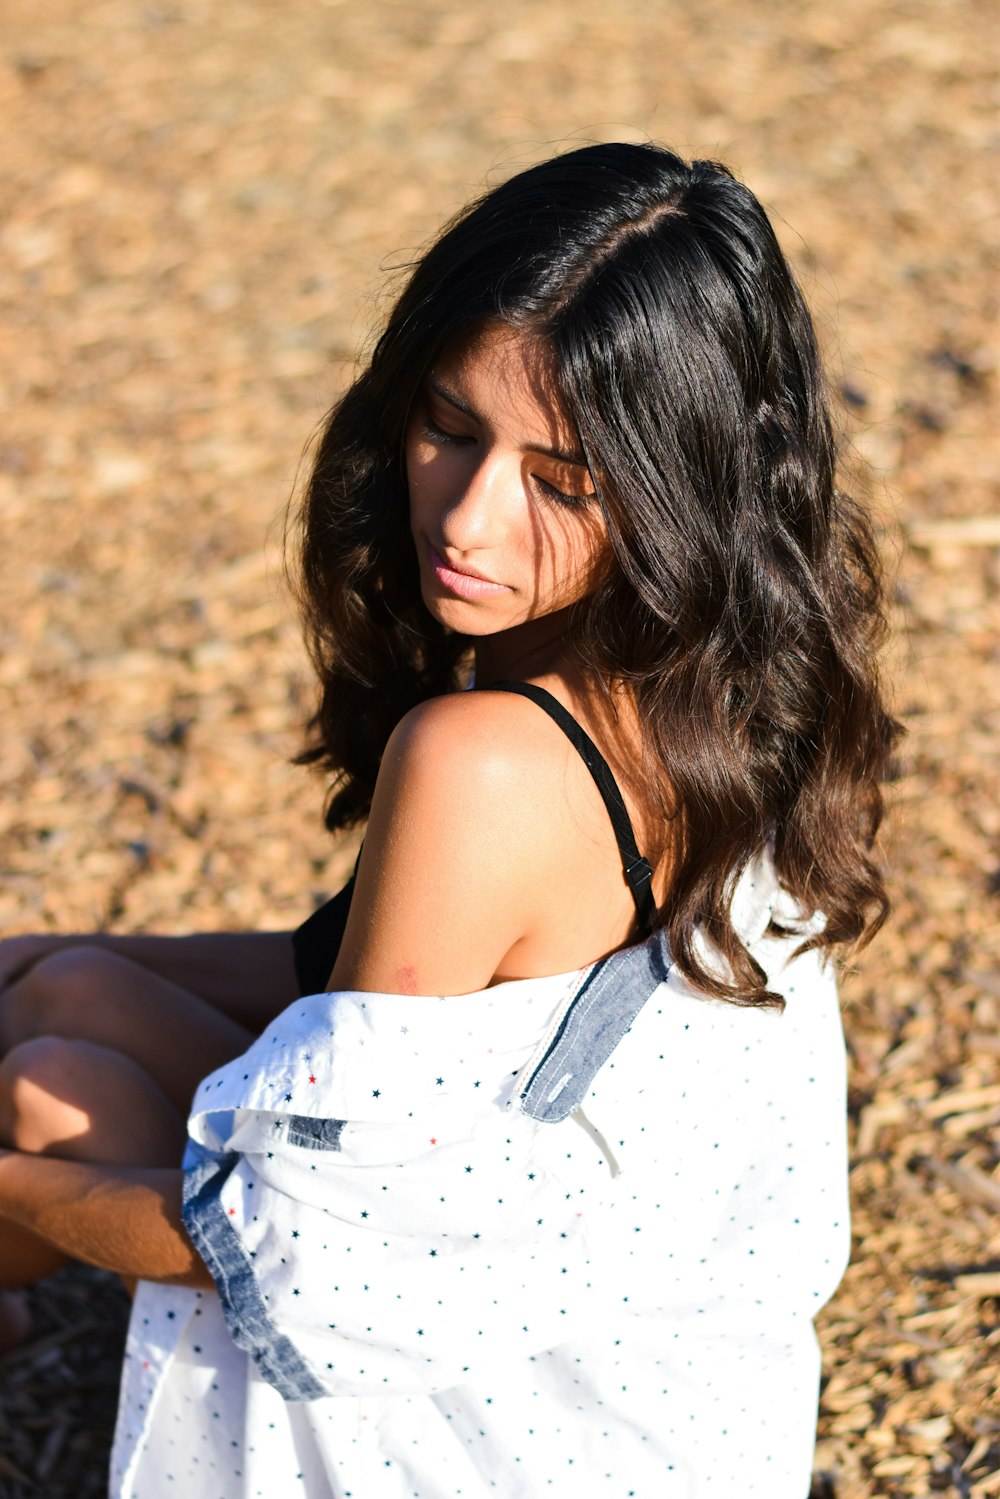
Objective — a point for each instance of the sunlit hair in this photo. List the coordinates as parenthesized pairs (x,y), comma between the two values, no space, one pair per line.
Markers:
(744,607)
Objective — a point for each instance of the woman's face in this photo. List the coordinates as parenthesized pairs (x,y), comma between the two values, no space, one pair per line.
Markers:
(502,507)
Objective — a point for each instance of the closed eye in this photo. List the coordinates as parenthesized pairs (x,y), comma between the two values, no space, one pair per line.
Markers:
(442,438)
(561,496)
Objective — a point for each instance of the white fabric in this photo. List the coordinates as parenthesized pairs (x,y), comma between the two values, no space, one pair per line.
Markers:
(618,1304)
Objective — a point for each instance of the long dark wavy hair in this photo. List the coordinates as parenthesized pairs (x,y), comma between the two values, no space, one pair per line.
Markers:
(743,609)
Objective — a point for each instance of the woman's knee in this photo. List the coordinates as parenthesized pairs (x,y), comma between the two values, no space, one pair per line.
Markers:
(57,989)
(38,1080)
(86,1102)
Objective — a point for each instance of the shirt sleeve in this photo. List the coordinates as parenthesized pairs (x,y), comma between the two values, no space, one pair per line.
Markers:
(376,1216)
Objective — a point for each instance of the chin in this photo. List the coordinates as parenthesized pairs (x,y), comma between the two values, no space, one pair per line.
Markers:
(464,621)
(464,618)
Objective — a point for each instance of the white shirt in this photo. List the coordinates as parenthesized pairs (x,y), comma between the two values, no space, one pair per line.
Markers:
(563,1236)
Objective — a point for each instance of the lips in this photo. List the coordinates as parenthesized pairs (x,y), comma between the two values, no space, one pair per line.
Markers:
(464,582)
(440,560)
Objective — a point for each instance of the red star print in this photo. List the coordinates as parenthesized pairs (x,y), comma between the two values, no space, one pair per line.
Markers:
(433,1140)
(232,1212)
(312,1079)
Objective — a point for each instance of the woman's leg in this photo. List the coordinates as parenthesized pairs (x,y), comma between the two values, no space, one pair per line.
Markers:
(89,994)
(84,1102)
(249,976)
(15,1320)
(24,1258)
(81,1102)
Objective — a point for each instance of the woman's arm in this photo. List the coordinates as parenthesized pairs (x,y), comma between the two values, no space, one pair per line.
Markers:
(488,854)
(453,864)
(125,1219)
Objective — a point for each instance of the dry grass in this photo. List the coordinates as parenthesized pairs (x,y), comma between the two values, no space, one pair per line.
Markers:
(195,199)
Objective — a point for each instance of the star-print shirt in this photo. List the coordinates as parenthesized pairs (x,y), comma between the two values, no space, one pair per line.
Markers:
(563,1236)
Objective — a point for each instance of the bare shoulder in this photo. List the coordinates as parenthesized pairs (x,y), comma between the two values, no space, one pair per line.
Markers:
(470,743)
(460,848)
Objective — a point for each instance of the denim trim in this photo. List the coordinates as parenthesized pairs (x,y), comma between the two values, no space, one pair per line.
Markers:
(314,1134)
(600,1013)
(247,1318)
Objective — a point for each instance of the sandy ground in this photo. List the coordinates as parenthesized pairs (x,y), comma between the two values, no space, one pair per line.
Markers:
(197,199)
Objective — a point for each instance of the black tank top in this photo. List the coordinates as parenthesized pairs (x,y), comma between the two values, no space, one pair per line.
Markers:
(317,941)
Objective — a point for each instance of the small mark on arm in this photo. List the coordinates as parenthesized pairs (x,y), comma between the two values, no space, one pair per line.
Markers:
(406,979)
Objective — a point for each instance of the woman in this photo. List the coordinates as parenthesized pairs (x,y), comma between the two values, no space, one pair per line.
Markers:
(542,1193)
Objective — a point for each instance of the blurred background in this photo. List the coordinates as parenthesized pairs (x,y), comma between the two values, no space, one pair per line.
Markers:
(200,204)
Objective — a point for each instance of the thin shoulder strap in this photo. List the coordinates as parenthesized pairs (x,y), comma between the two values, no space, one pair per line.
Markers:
(638,874)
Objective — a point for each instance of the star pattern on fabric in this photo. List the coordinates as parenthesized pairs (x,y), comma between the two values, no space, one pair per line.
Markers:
(502,1294)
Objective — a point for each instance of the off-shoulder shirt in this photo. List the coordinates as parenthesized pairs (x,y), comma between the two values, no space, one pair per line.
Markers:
(564,1236)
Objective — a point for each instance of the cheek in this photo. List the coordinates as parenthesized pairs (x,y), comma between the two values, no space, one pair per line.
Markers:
(418,474)
(571,548)
(432,475)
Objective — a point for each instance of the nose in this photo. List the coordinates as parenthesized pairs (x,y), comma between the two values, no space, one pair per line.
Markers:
(476,506)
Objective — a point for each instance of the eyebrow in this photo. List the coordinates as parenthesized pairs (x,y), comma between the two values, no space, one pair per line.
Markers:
(571,456)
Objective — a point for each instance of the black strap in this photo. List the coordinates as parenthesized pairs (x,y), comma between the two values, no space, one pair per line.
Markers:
(638,874)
